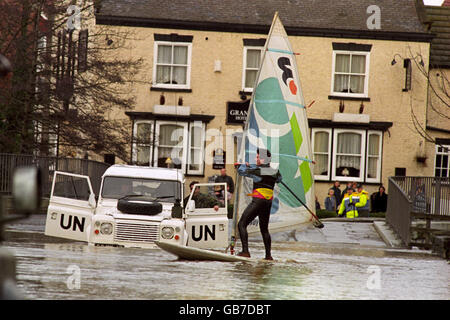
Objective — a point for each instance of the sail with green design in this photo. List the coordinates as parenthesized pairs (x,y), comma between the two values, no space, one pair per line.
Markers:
(277,121)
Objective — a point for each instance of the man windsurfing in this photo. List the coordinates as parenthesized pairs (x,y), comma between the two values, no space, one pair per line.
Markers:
(264,179)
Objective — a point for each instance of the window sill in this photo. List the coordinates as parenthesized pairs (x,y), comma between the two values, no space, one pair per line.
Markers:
(368,183)
(170,89)
(350,98)
(245,92)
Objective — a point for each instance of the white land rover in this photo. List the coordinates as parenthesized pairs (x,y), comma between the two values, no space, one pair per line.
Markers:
(136,207)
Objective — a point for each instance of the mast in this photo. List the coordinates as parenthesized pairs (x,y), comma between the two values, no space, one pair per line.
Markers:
(277,121)
(241,156)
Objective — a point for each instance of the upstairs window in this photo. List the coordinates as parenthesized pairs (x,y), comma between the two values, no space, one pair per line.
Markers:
(253,50)
(350,76)
(252,60)
(172,62)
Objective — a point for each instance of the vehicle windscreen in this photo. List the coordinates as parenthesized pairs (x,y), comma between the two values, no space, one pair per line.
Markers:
(118,187)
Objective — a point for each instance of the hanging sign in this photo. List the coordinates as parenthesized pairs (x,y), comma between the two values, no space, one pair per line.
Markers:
(237,112)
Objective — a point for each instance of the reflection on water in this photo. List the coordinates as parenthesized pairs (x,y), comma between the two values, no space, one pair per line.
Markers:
(302,271)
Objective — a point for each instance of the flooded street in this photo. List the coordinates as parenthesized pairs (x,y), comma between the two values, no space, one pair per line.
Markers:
(316,266)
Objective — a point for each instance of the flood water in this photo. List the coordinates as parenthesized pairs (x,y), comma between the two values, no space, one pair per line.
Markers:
(54,269)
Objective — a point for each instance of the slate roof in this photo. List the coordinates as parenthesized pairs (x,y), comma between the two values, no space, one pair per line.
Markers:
(438,18)
(398,17)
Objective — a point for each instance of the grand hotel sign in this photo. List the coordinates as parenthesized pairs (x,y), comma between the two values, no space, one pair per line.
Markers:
(237,112)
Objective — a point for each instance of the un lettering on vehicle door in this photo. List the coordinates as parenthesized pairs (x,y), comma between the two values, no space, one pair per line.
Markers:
(71,206)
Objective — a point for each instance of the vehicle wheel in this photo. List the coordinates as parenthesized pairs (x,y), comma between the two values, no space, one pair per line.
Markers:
(139,205)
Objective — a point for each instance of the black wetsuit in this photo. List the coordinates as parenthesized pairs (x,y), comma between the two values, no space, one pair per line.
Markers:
(259,207)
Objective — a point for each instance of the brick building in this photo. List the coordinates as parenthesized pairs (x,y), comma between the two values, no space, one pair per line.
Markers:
(361,65)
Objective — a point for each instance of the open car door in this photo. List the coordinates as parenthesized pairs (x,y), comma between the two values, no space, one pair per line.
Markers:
(207,228)
(71,207)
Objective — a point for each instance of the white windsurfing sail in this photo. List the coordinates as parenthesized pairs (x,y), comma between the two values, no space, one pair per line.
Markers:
(277,121)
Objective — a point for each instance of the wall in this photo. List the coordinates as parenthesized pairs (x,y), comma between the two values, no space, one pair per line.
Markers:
(212,90)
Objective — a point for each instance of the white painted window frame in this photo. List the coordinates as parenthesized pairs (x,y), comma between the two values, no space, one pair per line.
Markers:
(188,65)
(330,135)
(366,74)
(244,65)
(363,152)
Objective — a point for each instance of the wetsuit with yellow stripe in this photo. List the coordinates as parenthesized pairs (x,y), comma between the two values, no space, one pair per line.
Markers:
(264,179)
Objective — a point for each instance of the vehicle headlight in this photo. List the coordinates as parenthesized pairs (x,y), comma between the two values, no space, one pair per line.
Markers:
(167,232)
(106,228)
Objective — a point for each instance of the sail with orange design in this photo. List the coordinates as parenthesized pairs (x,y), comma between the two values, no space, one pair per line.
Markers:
(277,121)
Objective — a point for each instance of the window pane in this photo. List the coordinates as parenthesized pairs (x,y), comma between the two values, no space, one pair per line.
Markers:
(444,161)
(162,74)
(358,64)
(71,187)
(196,136)
(194,161)
(357,84)
(143,155)
(170,157)
(170,135)
(374,145)
(180,54)
(321,142)
(438,160)
(164,54)
(143,133)
(341,83)
(437,173)
(348,158)
(372,168)
(342,63)
(253,58)
(348,166)
(179,75)
(170,149)
(321,166)
(349,143)
(250,78)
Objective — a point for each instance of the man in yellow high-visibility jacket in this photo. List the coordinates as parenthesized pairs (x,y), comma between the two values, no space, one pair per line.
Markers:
(363,206)
(348,205)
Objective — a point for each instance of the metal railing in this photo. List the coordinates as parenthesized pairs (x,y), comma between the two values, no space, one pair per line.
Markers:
(429,195)
(413,198)
(48,165)
(398,214)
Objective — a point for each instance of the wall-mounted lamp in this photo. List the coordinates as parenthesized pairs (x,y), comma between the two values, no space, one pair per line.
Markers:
(162,100)
(393,62)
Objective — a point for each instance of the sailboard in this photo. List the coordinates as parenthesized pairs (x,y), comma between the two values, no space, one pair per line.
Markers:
(190,253)
(277,121)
